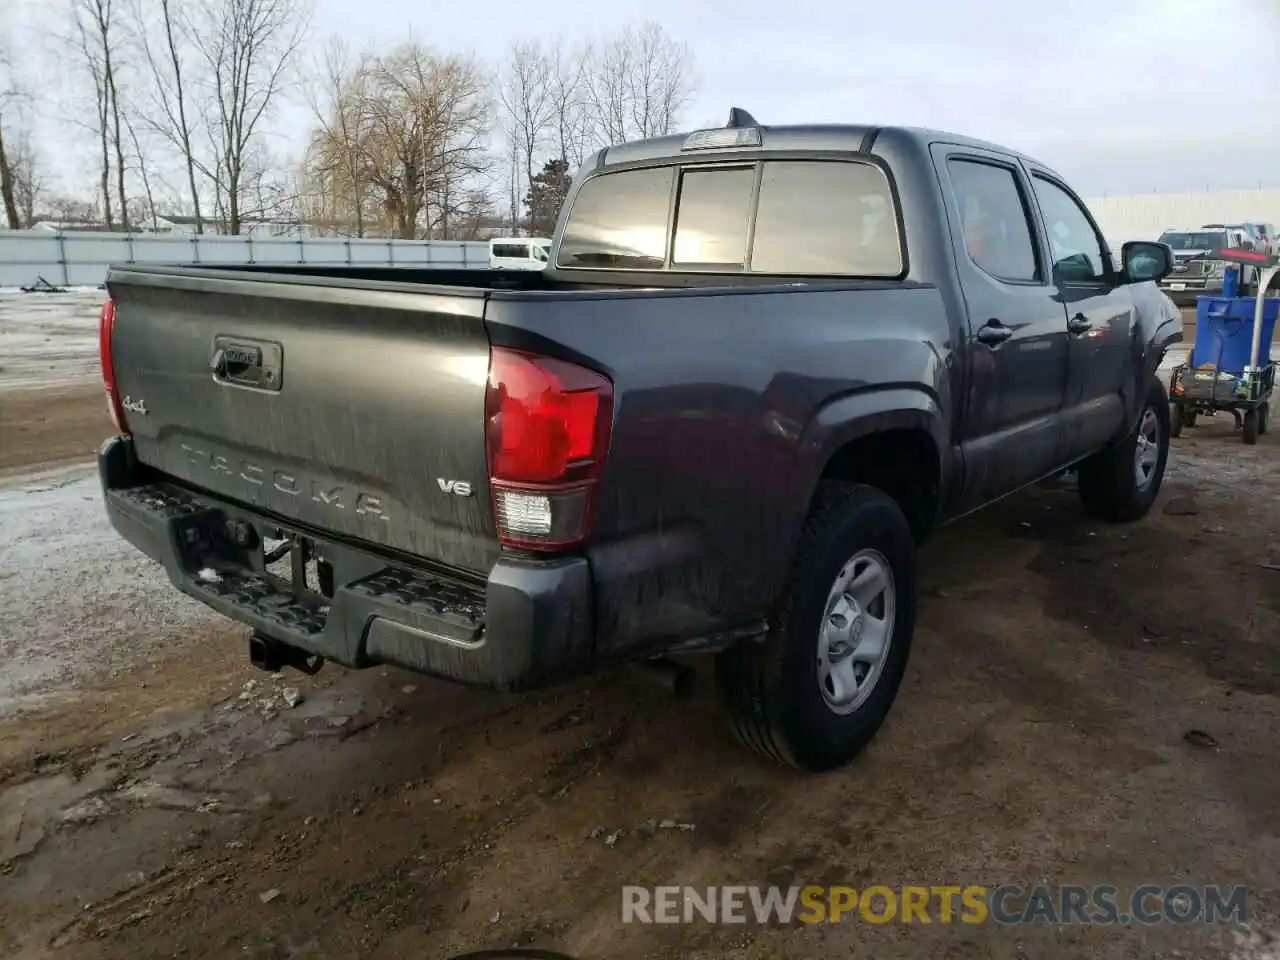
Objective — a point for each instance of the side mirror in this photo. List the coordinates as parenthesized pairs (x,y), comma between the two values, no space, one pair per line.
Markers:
(1145,261)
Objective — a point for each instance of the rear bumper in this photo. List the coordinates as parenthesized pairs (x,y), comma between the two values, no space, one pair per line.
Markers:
(529,624)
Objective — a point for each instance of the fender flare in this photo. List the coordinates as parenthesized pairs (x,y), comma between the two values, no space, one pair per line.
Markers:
(856,415)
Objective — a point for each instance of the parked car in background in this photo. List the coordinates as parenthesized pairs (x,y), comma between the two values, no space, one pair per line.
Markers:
(1195,272)
(519,253)
(1268,232)
(1255,233)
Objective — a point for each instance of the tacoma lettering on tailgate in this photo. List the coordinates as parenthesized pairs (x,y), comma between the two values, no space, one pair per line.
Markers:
(288,483)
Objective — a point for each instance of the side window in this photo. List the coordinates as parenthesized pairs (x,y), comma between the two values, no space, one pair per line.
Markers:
(1073,243)
(993,215)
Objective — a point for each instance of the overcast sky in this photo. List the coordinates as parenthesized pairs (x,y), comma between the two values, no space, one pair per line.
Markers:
(1121,97)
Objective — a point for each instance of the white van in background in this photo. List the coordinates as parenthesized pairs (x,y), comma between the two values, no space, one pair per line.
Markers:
(519,253)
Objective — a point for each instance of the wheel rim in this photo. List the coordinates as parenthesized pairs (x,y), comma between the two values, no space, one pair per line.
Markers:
(856,631)
(1146,454)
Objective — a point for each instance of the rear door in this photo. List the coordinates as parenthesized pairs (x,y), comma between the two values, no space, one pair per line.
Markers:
(1017,351)
(357,412)
(1100,316)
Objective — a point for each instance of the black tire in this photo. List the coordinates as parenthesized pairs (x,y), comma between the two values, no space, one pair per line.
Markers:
(1108,483)
(1177,419)
(1190,418)
(1250,427)
(771,688)
(1264,415)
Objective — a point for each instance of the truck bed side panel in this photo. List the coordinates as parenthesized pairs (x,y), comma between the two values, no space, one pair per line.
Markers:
(717,440)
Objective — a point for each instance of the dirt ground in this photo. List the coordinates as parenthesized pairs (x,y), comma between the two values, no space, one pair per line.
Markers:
(51,426)
(161,798)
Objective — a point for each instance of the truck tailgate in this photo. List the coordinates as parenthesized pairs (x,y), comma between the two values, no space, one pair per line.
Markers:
(354,409)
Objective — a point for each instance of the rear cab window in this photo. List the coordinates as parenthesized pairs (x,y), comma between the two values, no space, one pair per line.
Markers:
(787,217)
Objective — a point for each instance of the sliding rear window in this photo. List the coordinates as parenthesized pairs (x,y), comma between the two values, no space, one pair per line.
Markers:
(811,218)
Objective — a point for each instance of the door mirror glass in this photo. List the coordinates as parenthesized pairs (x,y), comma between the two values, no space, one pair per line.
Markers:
(1145,261)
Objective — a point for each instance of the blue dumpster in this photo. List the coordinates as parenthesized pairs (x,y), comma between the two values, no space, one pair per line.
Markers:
(1224,332)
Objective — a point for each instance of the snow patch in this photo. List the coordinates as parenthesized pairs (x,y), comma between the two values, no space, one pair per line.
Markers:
(49,339)
(76,601)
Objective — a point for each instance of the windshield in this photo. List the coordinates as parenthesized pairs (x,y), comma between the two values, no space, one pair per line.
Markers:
(1195,241)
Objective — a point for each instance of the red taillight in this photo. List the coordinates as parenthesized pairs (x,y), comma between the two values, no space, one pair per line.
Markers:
(547,430)
(106,327)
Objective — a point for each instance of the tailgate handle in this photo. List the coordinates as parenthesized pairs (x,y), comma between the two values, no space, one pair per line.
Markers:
(256,364)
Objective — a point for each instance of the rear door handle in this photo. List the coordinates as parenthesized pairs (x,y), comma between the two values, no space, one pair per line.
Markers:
(1078,324)
(993,333)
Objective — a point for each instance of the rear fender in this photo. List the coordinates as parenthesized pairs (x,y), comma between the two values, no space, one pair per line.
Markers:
(854,416)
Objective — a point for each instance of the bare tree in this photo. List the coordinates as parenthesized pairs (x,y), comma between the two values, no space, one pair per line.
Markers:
(527,95)
(27,182)
(9,184)
(64,209)
(88,47)
(568,82)
(414,137)
(98,34)
(336,164)
(473,216)
(161,31)
(661,81)
(11,95)
(638,83)
(143,173)
(248,48)
(456,154)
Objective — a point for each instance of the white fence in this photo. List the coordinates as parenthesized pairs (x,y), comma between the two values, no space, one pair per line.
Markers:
(77,259)
(1146,216)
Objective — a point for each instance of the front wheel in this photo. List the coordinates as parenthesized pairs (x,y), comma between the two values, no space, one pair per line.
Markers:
(814,692)
(1120,483)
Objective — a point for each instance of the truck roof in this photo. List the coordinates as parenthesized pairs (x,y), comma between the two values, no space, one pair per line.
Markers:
(850,137)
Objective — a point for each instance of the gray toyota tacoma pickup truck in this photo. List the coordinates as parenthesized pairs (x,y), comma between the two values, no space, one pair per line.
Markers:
(763,364)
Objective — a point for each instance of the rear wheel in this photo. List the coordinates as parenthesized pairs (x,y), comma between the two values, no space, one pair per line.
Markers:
(1121,483)
(1177,419)
(1264,415)
(814,692)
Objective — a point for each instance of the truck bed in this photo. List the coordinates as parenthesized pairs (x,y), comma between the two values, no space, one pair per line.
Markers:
(375,419)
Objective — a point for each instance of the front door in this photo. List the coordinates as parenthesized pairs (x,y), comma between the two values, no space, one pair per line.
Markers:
(1016,355)
(1101,344)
